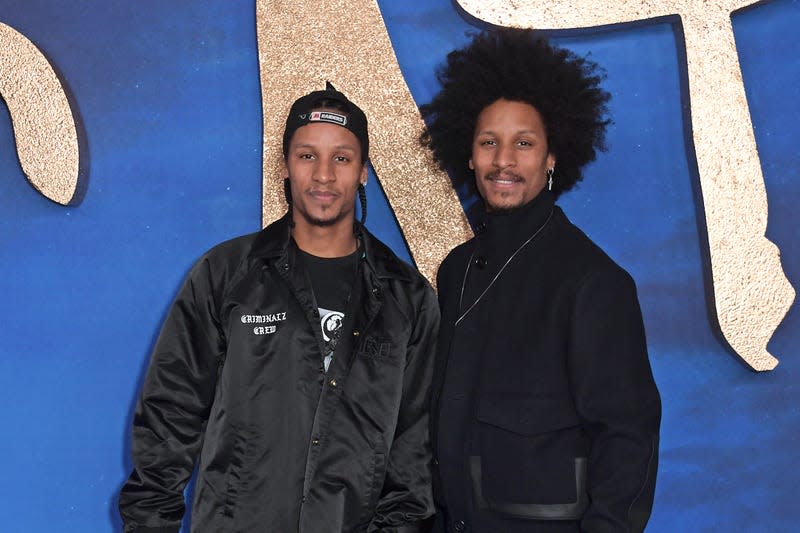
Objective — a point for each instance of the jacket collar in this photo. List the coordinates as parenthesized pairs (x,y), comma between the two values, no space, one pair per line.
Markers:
(516,226)
(273,242)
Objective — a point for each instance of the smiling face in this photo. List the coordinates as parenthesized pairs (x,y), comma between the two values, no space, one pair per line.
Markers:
(324,168)
(510,155)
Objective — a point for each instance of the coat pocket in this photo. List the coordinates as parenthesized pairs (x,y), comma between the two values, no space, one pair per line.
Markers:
(526,415)
(375,479)
(531,460)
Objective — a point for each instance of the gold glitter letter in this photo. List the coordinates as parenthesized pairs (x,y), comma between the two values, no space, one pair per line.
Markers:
(47,140)
(303,43)
(751,292)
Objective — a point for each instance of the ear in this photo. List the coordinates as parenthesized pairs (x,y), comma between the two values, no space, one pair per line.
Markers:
(364,175)
(284,169)
(551,160)
(470,165)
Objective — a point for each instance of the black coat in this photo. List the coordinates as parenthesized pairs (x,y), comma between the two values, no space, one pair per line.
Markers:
(546,415)
(282,445)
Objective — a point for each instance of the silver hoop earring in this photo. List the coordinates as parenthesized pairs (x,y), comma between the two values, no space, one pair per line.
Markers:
(549,174)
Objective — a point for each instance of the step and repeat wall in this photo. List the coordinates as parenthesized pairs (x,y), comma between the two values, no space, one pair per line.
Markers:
(136,135)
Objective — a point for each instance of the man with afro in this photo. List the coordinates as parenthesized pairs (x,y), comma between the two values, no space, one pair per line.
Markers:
(545,414)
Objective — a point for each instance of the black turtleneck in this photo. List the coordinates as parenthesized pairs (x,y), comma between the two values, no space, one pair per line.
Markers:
(498,236)
(545,368)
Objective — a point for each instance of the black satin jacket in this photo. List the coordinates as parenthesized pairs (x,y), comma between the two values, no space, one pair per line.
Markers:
(237,380)
(546,416)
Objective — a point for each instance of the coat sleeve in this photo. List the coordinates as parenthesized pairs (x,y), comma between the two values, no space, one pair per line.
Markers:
(173,408)
(406,502)
(617,401)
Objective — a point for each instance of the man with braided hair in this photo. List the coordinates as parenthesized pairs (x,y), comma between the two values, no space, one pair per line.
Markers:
(294,366)
(545,414)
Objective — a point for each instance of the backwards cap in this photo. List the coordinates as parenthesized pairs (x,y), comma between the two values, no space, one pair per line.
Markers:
(305,110)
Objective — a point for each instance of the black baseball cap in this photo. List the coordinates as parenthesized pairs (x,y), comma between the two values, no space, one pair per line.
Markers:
(305,110)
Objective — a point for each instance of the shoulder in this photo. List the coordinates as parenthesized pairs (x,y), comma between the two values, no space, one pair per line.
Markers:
(387,265)
(384,261)
(581,256)
(271,241)
(234,247)
(576,263)
(220,266)
(403,280)
(232,251)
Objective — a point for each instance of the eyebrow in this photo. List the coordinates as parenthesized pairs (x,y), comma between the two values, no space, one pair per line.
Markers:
(337,147)
(521,132)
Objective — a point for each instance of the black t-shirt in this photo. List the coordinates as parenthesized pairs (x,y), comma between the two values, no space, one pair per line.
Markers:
(331,281)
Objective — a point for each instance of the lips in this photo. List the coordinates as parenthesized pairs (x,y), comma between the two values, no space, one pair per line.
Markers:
(323,195)
(504,178)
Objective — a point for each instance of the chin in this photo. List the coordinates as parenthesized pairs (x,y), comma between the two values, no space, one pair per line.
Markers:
(503,206)
(503,209)
(322,221)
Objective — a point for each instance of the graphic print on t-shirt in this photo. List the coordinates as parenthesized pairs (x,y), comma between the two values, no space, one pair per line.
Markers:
(331,324)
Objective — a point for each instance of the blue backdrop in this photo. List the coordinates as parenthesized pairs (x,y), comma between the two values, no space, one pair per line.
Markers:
(169,98)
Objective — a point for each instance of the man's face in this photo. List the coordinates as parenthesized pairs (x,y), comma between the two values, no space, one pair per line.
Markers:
(509,155)
(324,169)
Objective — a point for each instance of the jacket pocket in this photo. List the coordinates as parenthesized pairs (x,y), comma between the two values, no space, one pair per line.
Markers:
(527,414)
(375,479)
(531,457)
(225,480)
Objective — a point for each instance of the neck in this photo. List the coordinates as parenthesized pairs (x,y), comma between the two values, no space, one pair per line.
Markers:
(337,240)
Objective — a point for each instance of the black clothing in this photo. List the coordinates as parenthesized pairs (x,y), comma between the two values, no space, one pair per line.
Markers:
(545,412)
(236,378)
(331,280)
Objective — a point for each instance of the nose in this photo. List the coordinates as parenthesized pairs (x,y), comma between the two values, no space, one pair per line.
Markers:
(504,156)
(323,172)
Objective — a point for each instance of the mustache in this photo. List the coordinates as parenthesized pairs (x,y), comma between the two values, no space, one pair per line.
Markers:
(504,174)
(316,190)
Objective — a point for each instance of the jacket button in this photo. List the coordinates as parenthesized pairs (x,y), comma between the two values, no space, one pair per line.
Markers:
(459,525)
(479,262)
(376,291)
(285,267)
(355,333)
(333,383)
(315,442)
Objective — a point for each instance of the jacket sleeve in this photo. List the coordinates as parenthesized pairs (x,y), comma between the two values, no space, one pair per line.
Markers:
(406,502)
(173,407)
(617,401)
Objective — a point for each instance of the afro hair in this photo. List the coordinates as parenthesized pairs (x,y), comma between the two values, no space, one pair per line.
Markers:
(517,65)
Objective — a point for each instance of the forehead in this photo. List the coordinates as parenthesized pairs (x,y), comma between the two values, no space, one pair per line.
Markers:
(325,135)
(505,115)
